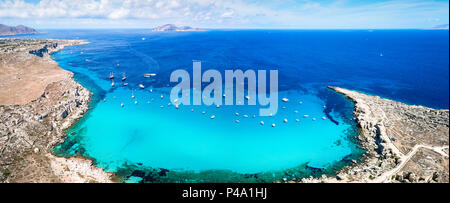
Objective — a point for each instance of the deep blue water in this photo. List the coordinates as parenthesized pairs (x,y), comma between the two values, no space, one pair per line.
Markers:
(410,66)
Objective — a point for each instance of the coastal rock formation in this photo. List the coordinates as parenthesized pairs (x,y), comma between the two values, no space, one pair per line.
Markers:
(33,125)
(403,143)
(15,30)
(173,28)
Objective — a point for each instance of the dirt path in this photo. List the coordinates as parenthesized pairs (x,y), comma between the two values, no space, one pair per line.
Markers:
(405,159)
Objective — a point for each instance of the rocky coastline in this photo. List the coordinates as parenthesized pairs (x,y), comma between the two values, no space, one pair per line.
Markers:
(403,143)
(29,129)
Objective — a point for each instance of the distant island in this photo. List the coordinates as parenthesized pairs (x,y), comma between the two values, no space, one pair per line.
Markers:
(16,30)
(174,28)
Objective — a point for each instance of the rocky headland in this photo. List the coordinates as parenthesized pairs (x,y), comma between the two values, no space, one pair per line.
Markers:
(403,143)
(38,101)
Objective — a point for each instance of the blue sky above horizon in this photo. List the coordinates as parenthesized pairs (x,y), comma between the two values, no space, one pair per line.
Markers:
(287,14)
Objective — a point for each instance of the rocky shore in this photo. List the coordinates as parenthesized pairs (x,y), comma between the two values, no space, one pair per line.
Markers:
(403,143)
(30,125)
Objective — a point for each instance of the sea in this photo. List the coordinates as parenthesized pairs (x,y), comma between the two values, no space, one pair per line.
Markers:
(138,134)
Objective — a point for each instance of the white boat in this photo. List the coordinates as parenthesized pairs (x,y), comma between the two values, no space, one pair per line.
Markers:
(306,116)
(213,117)
(141,86)
(273,125)
(262,122)
(125,84)
(297,120)
(285,120)
(124,77)
(111,75)
(324,118)
(112,83)
(285,99)
(135,102)
(237,121)
(147,75)
(121,105)
(247,97)
(245,116)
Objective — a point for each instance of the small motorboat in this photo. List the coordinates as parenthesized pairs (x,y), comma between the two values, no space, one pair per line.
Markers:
(141,86)
(148,75)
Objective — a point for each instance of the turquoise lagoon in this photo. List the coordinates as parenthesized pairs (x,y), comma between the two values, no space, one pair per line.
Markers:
(152,141)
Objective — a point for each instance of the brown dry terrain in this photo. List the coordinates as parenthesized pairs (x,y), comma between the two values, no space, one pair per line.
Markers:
(24,76)
(38,101)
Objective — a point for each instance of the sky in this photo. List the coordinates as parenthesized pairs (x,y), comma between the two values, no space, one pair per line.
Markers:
(237,14)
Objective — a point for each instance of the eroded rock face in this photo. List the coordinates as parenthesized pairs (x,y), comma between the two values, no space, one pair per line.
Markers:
(23,128)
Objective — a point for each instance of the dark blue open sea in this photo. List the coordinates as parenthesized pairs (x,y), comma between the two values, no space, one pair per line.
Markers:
(152,141)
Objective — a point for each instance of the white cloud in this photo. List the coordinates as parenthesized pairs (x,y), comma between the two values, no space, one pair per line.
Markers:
(226,13)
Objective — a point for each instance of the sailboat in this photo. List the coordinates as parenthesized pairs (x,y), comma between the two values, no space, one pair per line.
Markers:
(111,75)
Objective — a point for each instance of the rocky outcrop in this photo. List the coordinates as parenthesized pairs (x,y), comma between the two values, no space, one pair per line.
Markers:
(29,131)
(394,136)
(15,30)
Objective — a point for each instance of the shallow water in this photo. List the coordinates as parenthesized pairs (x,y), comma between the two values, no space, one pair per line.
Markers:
(393,64)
